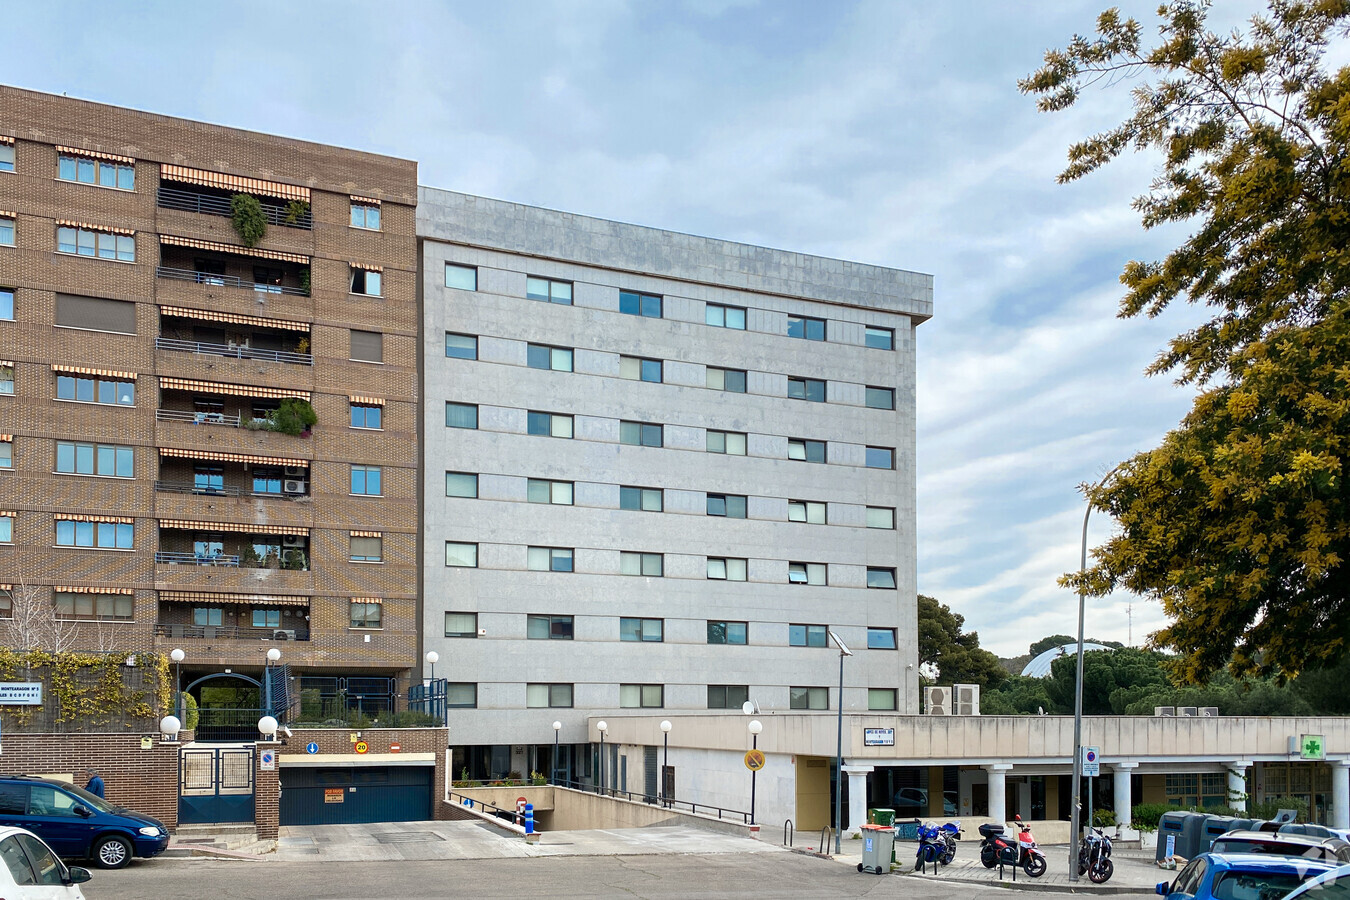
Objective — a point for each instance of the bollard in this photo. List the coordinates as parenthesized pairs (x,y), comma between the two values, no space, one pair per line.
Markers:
(529,818)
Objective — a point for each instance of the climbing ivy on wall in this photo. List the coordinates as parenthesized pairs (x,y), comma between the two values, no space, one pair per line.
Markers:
(89,688)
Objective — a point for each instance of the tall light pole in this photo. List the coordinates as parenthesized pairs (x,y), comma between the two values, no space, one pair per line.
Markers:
(557,727)
(839,750)
(273,654)
(602,726)
(755,729)
(665,764)
(429,690)
(432,658)
(177,656)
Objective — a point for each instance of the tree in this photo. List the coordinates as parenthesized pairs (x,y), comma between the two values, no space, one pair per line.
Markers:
(956,656)
(1238,522)
(33,623)
(1018,695)
(1112,679)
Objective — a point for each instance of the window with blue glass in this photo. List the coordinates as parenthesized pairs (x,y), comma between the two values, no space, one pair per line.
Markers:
(99,535)
(880,338)
(635,368)
(89,242)
(461,346)
(807,635)
(267,480)
(880,398)
(635,304)
(727,632)
(6,529)
(367,415)
(461,415)
(119,174)
(208,479)
(806,327)
(7,156)
(880,458)
(88,389)
(366,480)
(642,434)
(881,639)
(365,215)
(6,231)
(78,458)
(7,304)
(548,290)
(724,316)
(812,389)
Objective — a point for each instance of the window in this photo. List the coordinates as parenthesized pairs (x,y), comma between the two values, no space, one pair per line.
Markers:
(365,614)
(643,696)
(807,511)
(71,605)
(640,498)
(366,281)
(207,615)
(364,548)
(94,314)
(102,535)
(731,506)
(881,639)
(6,157)
(806,573)
(641,434)
(881,578)
(634,304)
(86,389)
(880,338)
(728,696)
(95,459)
(366,480)
(649,564)
(266,480)
(635,369)
(461,415)
(461,695)
(549,424)
(6,231)
(732,380)
(367,346)
(808,636)
(645,630)
(727,632)
(461,484)
(464,278)
(559,493)
(211,480)
(880,458)
(724,316)
(882,699)
(539,356)
(461,625)
(365,215)
(549,559)
(806,451)
(367,415)
(812,389)
(806,327)
(548,290)
(808,698)
(105,173)
(6,378)
(461,556)
(725,568)
(880,517)
(880,398)
(461,346)
(6,454)
(88,242)
(6,301)
(548,628)
(551,696)
(731,443)
(6,529)
(268,281)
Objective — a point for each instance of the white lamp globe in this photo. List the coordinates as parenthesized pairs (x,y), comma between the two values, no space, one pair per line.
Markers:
(602,726)
(557,726)
(274,654)
(665,726)
(169,726)
(755,726)
(433,657)
(177,655)
(267,726)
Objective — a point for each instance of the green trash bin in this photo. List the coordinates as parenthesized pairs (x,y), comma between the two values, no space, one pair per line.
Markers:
(881,817)
(878,848)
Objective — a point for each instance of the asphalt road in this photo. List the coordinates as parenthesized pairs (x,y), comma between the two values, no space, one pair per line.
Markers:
(760,876)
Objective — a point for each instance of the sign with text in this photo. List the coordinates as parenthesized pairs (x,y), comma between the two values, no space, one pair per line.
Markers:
(878,737)
(1092,764)
(334,795)
(20,693)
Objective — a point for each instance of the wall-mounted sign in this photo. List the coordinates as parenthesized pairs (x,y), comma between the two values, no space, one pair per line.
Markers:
(1312,746)
(395,748)
(21,693)
(147,743)
(267,760)
(754,761)
(362,747)
(878,737)
(333,795)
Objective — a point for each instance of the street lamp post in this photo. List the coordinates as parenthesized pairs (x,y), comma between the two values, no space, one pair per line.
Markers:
(177,656)
(602,726)
(839,750)
(428,693)
(665,763)
(755,729)
(557,726)
(432,658)
(273,654)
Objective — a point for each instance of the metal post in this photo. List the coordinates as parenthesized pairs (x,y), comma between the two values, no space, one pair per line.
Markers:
(555,756)
(754,745)
(665,767)
(602,762)
(839,765)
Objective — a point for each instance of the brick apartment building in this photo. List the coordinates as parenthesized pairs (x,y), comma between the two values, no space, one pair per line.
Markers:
(144,350)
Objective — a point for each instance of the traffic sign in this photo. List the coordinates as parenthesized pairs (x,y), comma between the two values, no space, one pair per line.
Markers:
(362,747)
(1092,765)
(754,760)
(267,760)
(311,747)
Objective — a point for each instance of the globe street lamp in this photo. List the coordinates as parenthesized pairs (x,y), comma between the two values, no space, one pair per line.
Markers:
(602,726)
(273,654)
(169,726)
(432,658)
(755,729)
(267,727)
(839,750)
(177,656)
(557,727)
(665,764)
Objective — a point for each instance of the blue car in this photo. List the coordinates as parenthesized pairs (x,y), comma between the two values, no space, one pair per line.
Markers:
(76,824)
(1241,876)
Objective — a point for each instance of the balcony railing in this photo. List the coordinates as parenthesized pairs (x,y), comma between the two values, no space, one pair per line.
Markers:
(196,418)
(226,280)
(188,487)
(234,351)
(195,559)
(232,632)
(212,205)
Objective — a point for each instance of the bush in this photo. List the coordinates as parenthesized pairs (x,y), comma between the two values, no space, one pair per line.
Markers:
(246,215)
(294,416)
(1104,817)
(295,211)
(190,713)
(411,718)
(1267,809)
(1146,816)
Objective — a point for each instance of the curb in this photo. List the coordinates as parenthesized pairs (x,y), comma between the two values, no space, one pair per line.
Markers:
(191,851)
(1051,888)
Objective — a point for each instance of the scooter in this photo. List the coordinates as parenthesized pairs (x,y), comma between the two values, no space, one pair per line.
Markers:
(1094,857)
(951,833)
(1023,852)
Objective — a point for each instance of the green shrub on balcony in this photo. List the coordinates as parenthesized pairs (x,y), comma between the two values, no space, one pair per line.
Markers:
(246,215)
(294,416)
(295,211)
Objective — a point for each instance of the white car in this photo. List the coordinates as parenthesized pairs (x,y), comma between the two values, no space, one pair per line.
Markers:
(33,872)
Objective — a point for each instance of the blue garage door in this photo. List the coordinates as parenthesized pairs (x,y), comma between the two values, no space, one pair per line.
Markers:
(343,796)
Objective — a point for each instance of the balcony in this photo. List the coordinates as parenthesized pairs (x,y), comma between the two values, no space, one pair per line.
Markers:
(215,202)
(233,632)
(196,417)
(225,280)
(234,351)
(165,557)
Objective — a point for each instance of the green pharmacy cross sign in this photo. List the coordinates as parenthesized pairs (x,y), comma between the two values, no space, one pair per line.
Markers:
(1312,746)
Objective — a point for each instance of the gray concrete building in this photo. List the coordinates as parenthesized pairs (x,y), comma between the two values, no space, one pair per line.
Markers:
(658,468)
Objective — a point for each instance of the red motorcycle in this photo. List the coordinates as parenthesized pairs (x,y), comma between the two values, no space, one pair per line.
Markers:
(1023,852)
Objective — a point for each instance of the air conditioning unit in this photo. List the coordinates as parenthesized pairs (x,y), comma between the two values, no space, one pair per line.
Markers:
(284,634)
(937,701)
(292,540)
(1164,711)
(296,472)
(1189,711)
(293,487)
(1209,712)
(967,702)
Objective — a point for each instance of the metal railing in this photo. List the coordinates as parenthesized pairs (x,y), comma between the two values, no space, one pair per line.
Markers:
(474,803)
(196,418)
(234,351)
(188,487)
(652,800)
(212,205)
(195,559)
(226,281)
(231,632)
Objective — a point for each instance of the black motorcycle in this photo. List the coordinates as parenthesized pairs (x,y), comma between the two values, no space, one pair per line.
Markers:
(1094,857)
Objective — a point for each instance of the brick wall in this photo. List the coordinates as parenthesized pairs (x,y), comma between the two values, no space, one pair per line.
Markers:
(266,795)
(410,740)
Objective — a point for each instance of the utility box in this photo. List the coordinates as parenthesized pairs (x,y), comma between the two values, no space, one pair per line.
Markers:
(878,849)
(1185,831)
(881,817)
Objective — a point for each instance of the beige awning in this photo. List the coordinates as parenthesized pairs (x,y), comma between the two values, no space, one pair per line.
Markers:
(372,201)
(6,438)
(353,534)
(375,600)
(6,139)
(111,229)
(6,363)
(182,312)
(93,154)
(367,266)
(102,373)
(217,456)
(233,182)
(236,249)
(368,401)
(233,390)
(8,513)
(6,587)
(217,597)
(93,590)
(8,214)
(194,525)
(80,517)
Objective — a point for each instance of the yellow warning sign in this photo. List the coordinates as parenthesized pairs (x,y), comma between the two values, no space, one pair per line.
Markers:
(754,760)
(362,747)
(333,795)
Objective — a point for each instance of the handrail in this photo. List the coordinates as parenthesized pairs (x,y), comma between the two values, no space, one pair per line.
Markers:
(211,205)
(195,559)
(229,632)
(226,281)
(508,813)
(188,487)
(652,800)
(196,418)
(789,832)
(235,351)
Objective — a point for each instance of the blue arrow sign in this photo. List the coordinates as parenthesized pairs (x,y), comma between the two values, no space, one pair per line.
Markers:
(311,747)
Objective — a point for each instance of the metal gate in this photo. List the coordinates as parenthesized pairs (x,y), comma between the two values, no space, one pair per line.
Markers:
(355,794)
(215,785)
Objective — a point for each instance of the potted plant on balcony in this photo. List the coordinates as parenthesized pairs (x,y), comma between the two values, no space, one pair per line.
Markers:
(294,417)
(295,211)
(246,215)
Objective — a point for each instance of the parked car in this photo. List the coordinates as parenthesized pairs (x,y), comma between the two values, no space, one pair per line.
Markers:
(33,871)
(78,825)
(1241,876)
(914,802)
(1331,849)
(1333,885)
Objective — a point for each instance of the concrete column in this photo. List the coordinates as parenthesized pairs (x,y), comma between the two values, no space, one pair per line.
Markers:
(1124,801)
(857,798)
(1237,783)
(998,790)
(1340,793)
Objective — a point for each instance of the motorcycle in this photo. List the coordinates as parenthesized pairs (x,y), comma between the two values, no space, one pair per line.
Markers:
(951,833)
(1023,852)
(932,845)
(1094,857)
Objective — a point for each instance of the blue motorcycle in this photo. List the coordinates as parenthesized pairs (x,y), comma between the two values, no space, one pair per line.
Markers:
(932,846)
(951,833)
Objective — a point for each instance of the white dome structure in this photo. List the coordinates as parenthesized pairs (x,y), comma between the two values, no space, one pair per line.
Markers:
(1040,666)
